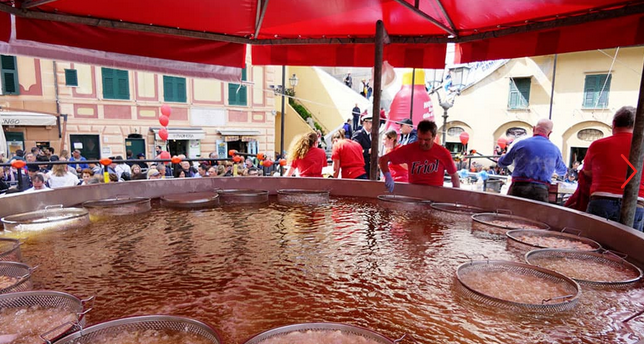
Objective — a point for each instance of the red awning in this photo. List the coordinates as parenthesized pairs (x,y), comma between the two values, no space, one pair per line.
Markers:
(338,33)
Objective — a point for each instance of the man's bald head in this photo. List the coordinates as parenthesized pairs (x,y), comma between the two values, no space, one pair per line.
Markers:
(543,127)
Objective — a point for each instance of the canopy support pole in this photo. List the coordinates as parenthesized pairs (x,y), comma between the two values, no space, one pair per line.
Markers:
(552,89)
(631,190)
(283,114)
(377,85)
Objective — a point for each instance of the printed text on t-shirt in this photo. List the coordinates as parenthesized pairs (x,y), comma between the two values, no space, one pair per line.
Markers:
(427,167)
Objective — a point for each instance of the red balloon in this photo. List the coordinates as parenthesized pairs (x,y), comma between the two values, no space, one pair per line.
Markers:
(260,156)
(237,158)
(166,110)
(163,134)
(232,152)
(164,155)
(175,159)
(282,162)
(268,163)
(502,142)
(164,120)
(465,138)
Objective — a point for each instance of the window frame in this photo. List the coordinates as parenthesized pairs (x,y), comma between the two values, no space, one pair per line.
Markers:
(239,91)
(519,95)
(119,75)
(177,90)
(68,73)
(12,71)
(598,81)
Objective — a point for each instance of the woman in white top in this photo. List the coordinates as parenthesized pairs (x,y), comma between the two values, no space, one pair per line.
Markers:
(60,177)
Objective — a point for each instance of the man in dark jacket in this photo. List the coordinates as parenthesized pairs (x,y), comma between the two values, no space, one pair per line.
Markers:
(363,137)
(407,132)
(356,117)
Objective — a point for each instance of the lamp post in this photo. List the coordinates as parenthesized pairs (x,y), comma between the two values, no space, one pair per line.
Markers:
(293,81)
(451,86)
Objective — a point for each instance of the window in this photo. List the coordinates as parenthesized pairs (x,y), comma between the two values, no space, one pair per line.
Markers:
(237,94)
(519,93)
(174,89)
(596,91)
(455,131)
(116,84)
(71,77)
(9,75)
(590,134)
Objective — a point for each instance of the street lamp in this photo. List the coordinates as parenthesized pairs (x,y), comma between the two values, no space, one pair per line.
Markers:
(293,81)
(451,86)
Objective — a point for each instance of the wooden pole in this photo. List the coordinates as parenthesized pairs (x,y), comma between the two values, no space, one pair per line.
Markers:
(631,190)
(377,84)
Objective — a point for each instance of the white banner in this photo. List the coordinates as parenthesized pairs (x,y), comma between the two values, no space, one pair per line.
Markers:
(16,118)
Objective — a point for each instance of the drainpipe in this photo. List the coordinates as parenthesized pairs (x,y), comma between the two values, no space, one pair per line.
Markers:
(60,135)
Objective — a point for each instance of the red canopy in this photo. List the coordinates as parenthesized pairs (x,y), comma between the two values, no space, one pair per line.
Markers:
(308,32)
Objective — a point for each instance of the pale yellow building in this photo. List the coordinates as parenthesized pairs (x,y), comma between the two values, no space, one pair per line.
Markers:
(589,87)
(109,111)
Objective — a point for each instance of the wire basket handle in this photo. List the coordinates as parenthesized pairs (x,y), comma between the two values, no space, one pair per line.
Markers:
(563,297)
(403,337)
(622,256)
(503,211)
(54,206)
(631,317)
(30,271)
(472,259)
(574,231)
(67,324)
(84,302)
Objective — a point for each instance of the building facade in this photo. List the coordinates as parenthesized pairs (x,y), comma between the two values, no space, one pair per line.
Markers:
(106,112)
(589,88)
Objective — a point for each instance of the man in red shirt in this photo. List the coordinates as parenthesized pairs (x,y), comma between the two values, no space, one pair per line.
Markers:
(426,161)
(606,170)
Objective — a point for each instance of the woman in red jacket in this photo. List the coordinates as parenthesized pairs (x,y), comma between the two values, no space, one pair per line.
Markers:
(306,157)
(398,171)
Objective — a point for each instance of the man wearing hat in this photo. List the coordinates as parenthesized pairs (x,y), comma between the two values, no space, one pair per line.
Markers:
(407,132)
(363,137)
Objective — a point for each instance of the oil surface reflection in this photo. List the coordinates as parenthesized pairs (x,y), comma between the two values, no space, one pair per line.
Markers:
(246,270)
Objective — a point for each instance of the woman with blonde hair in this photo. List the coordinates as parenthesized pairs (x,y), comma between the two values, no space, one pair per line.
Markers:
(306,157)
(398,171)
(60,177)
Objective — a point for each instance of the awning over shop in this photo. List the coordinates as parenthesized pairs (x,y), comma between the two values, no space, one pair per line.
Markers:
(239,132)
(181,133)
(20,118)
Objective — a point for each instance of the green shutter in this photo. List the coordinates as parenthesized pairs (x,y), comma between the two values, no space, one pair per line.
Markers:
(10,83)
(238,95)
(519,97)
(116,83)
(174,89)
(108,83)
(71,77)
(594,96)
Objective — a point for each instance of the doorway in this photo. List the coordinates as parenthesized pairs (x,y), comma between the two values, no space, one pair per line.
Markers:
(136,146)
(577,154)
(15,140)
(178,147)
(238,145)
(88,145)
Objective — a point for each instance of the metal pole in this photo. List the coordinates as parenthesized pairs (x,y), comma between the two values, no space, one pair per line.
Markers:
(444,126)
(377,84)
(413,84)
(283,115)
(552,89)
(631,190)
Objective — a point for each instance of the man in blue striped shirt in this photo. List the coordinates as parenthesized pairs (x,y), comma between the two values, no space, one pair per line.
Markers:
(535,159)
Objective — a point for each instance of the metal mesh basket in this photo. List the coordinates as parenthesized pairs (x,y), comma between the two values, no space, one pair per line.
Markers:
(597,266)
(117,206)
(50,218)
(529,239)
(191,200)
(345,329)
(48,299)
(456,208)
(242,196)
(141,323)
(567,300)
(10,250)
(496,225)
(403,203)
(14,277)
(304,197)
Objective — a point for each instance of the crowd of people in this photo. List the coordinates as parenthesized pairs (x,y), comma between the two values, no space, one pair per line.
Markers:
(80,171)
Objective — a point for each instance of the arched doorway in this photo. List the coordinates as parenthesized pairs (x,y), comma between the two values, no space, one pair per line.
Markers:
(578,138)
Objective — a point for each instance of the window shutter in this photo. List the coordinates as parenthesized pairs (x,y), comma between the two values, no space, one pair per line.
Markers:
(10,83)
(108,83)
(238,95)
(594,96)
(168,89)
(181,90)
(603,94)
(71,77)
(123,84)
(519,97)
